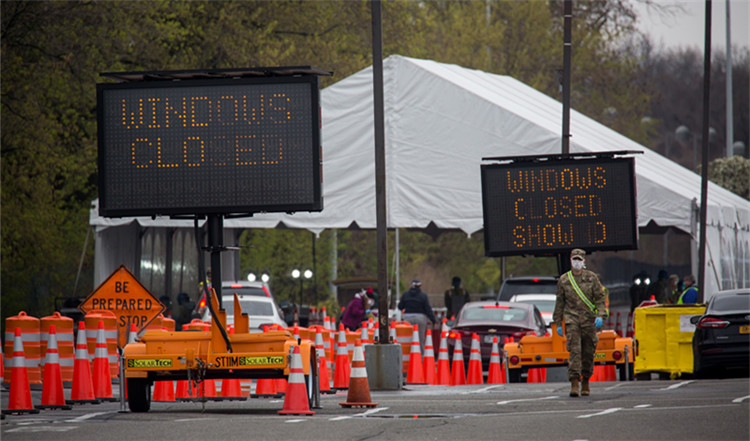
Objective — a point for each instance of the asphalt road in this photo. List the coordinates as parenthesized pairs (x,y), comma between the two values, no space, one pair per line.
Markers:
(637,410)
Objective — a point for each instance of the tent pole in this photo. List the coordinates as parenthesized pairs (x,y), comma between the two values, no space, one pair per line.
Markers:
(704,159)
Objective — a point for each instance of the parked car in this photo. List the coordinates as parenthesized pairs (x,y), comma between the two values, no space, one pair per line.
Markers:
(241,287)
(489,319)
(260,310)
(722,334)
(527,285)
(544,302)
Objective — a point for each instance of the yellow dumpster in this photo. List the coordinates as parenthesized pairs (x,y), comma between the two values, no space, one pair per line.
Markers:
(664,339)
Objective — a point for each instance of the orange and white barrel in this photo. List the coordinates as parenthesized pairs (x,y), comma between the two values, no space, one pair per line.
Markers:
(65,342)
(30,336)
(109,318)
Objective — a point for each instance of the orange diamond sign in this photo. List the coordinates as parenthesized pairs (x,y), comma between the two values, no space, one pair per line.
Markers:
(130,301)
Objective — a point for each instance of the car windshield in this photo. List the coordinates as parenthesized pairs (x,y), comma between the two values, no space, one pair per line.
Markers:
(524,287)
(495,314)
(543,305)
(251,307)
(739,302)
(243,291)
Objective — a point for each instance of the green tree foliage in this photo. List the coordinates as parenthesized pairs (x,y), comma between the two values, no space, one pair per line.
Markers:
(53,53)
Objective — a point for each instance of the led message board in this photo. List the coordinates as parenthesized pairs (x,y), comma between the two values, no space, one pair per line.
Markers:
(209,146)
(547,207)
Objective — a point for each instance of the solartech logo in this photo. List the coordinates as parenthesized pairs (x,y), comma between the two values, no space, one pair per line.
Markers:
(152,363)
(229,362)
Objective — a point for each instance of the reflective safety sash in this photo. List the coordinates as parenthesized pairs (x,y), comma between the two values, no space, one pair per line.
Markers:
(580,293)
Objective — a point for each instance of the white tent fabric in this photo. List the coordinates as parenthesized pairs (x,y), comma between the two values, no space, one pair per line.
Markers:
(440,121)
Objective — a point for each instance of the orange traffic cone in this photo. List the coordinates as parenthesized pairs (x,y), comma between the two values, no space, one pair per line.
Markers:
(82,390)
(101,375)
(443,363)
(364,334)
(19,400)
(324,375)
(428,361)
(295,401)
(359,389)
(231,389)
(182,393)
(164,391)
(631,330)
(415,375)
(475,362)
(610,374)
(537,375)
(618,326)
(343,369)
(459,374)
(53,394)
(495,374)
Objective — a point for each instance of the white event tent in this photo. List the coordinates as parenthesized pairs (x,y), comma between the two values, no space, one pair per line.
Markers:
(440,121)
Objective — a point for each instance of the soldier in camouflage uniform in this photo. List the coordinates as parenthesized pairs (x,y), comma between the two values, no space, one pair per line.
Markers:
(582,319)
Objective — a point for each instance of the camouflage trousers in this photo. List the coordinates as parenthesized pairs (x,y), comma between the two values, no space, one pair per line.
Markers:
(581,345)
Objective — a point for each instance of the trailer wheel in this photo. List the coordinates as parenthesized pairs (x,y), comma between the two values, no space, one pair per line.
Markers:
(139,394)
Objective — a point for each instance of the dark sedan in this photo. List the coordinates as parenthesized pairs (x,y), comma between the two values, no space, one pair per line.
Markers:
(492,319)
(722,334)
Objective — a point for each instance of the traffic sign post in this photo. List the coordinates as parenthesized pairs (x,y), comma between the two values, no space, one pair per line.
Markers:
(122,294)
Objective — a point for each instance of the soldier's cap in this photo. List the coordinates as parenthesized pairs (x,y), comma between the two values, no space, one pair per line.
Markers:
(578,254)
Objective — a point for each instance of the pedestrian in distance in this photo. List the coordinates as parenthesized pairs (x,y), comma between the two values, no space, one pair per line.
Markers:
(417,309)
(674,291)
(580,303)
(455,297)
(690,293)
(185,308)
(357,309)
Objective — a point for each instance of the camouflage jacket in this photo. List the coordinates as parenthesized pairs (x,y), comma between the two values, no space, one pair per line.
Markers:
(570,306)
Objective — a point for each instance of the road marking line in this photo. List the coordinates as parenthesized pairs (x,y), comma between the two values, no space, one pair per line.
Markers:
(740,399)
(675,386)
(37,429)
(526,399)
(604,412)
(87,416)
(370,411)
(642,406)
(362,414)
(615,386)
(294,421)
(484,389)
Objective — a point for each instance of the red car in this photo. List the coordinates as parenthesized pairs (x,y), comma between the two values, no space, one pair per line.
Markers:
(490,319)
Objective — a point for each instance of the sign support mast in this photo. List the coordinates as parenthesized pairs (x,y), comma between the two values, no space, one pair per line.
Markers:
(563,260)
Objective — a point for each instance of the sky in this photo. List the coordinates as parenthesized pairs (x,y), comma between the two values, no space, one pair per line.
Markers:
(687,28)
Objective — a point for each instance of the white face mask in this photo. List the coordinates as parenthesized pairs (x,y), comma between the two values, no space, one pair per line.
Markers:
(576,264)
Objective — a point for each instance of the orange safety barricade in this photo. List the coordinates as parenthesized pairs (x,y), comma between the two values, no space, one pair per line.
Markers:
(31,338)
(109,318)
(65,342)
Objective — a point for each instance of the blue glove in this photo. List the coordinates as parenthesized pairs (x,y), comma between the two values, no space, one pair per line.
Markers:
(367,311)
(559,331)
(598,322)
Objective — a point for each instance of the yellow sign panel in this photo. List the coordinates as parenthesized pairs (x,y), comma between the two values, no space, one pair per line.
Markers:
(229,361)
(150,363)
(600,356)
(131,302)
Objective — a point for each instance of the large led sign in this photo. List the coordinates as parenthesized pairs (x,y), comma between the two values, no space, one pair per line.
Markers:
(547,207)
(209,146)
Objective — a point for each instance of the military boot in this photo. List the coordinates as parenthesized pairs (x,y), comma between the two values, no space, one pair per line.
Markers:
(574,387)
(585,391)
